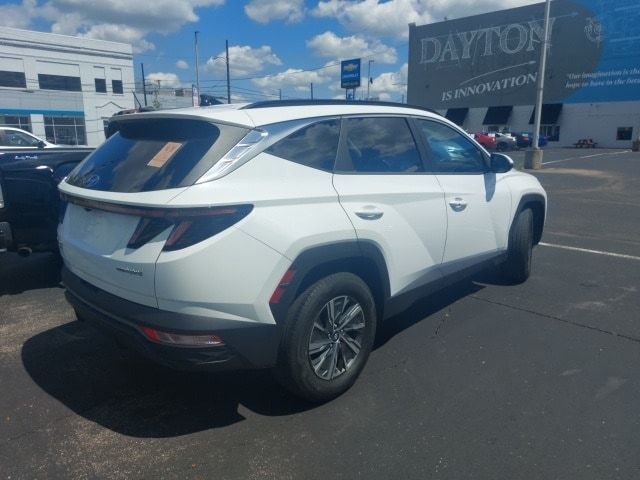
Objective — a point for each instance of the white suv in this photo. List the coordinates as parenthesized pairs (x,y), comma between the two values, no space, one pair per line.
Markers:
(281,234)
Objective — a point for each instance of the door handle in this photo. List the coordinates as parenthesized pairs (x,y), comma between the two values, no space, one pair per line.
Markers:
(370,214)
(458,204)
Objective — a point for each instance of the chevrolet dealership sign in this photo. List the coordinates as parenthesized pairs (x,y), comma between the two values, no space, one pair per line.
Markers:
(350,73)
(492,59)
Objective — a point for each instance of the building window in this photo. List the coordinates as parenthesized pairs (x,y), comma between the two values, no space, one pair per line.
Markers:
(17,121)
(59,82)
(12,79)
(67,130)
(624,133)
(552,132)
(101,85)
(116,86)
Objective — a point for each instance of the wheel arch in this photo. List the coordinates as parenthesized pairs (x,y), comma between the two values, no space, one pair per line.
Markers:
(537,203)
(362,258)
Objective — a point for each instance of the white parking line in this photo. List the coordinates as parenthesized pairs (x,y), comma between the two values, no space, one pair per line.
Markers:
(585,156)
(588,250)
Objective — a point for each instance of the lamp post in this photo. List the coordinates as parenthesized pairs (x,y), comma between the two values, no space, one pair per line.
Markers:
(369,77)
(195,46)
(533,158)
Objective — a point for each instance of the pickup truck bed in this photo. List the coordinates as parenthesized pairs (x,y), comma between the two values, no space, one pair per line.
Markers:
(29,200)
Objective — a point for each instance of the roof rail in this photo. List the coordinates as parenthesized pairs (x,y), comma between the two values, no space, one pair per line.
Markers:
(302,103)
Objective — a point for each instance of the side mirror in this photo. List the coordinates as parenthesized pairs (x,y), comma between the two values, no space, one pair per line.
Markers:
(501,163)
(41,144)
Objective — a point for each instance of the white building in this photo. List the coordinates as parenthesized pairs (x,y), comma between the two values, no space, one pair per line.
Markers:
(63,88)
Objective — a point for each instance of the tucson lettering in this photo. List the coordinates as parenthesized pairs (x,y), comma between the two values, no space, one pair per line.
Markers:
(509,39)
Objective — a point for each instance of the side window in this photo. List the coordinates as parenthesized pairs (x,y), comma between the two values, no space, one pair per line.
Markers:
(314,146)
(19,139)
(381,145)
(449,150)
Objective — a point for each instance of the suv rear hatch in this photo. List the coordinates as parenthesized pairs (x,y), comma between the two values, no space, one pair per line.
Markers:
(114,220)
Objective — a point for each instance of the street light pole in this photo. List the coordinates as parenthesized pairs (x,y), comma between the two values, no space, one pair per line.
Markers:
(369,77)
(533,158)
(197,65)
(226,47)
(144,84)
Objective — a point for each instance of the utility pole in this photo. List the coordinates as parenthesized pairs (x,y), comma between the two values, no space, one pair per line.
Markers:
(402,98)
(144,84)
(533,158)
(369,77)
(156,99)
(311,85)
(279,94)
(197,65)
(226,43)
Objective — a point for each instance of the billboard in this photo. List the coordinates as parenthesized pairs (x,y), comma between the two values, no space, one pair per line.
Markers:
(350,73)
(492,59)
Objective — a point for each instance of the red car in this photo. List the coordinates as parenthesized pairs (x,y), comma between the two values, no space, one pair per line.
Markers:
(487,140)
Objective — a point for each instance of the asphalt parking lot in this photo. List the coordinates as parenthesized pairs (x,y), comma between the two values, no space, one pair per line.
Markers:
(479,381)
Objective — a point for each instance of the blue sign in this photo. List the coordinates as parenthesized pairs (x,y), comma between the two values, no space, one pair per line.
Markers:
(350,73)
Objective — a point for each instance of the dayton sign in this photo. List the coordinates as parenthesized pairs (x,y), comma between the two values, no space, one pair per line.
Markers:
(492,59)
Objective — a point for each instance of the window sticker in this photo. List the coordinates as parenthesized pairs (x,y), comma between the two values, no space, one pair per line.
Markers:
(165,154)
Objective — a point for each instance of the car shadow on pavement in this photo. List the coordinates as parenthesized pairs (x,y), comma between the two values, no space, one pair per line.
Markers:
(19,274)
(96,379)
(425,307)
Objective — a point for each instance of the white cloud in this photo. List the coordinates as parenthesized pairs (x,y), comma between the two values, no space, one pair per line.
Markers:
(162,16)
(243,60)
(391,17)
(329,45)
(389,84)
(119,33)
(293,78)
(18,15)
(116,20)
(264,11)
(166,79)
(182,64)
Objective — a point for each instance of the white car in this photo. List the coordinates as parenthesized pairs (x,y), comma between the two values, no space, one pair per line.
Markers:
(12,138)
(281,234)
(506,141)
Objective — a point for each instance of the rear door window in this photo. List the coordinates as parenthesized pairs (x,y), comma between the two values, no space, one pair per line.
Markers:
(155,154)
(314,146)
(379,145)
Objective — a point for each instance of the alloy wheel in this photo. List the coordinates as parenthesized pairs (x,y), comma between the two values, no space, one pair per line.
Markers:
(336,337)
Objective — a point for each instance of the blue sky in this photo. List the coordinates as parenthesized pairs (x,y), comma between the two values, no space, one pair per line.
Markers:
(274,44)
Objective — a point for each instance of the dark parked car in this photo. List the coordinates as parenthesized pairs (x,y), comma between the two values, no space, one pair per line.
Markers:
(525,139)
(29,199)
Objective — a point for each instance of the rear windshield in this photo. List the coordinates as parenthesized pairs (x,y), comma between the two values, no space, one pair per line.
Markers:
(155,154)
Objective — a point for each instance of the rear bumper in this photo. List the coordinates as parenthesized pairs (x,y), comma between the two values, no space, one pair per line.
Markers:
(247,344)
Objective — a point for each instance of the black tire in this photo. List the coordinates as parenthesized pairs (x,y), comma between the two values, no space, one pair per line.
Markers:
(502,147)
(306,315)
(517,267)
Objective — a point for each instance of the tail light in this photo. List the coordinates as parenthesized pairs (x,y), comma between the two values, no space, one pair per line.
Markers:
(191,226)
(188,225)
